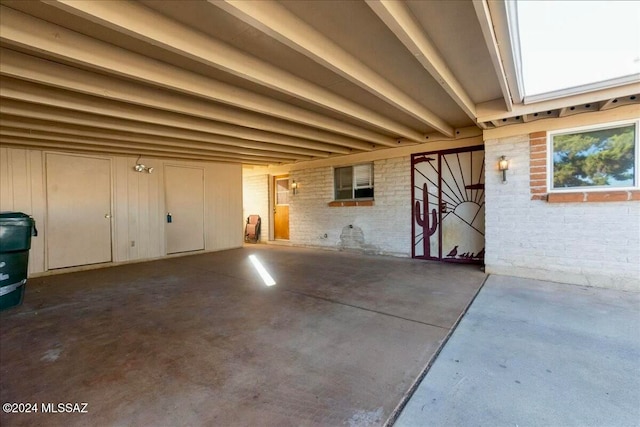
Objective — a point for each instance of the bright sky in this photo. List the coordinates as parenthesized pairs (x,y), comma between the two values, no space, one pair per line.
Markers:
(571,43)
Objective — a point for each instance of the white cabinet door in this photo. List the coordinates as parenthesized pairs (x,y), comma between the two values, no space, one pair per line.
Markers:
(184,187)
(78,210)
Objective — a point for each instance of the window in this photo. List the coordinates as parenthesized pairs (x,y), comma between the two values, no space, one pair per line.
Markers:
(282,191)
(596,158)
(354,182)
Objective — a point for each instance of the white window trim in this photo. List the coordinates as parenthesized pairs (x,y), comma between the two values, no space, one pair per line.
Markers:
(587,128)
(354,186)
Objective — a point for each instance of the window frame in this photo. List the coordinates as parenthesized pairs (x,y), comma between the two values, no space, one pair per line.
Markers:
(353,182)
(588,128)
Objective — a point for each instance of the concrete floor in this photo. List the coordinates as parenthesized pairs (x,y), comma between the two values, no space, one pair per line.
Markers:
(199,340)
(532,353)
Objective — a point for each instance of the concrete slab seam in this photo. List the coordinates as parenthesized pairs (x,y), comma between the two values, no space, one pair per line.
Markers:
(403,402)
(365,309)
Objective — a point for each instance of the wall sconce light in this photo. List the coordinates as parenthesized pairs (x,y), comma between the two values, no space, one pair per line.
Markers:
(294,187)
(503,166)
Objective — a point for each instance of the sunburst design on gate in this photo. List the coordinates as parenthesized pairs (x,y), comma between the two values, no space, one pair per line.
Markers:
(448,205)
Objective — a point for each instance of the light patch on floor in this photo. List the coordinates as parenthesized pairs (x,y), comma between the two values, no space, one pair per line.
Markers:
(51,355)
(264,274)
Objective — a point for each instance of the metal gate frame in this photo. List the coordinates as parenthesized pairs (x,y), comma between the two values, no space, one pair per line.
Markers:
(429,218)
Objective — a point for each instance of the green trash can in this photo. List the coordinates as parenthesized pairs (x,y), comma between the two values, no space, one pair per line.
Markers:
(16,229)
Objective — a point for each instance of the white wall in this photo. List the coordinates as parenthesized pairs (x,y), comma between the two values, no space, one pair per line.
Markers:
(596,244)
(138,203)
(386,225)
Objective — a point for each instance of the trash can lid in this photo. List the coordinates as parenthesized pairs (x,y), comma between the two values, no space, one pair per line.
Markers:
(14,217)
(18,215)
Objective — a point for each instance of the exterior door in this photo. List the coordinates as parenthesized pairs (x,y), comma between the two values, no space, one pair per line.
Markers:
(184,193)
(78,210)
(448,205)
(281,188)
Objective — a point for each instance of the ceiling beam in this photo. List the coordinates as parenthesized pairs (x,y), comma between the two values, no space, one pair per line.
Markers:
(107,144)
(276,21)
(26,67)
(69,147)
(41,37)
(63,131)
(399,19)
(144,24)
(21,110)
(488,31)
(107,128)
(21,91)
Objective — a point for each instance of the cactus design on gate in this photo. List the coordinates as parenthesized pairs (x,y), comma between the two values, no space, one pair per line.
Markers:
(423,221)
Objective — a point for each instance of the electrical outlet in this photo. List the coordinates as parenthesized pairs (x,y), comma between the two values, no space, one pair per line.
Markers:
(133,243)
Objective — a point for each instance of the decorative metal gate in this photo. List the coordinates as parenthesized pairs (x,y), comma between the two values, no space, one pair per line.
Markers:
(448,205)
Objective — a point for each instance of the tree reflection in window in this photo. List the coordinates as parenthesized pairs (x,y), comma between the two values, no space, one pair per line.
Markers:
(597,158)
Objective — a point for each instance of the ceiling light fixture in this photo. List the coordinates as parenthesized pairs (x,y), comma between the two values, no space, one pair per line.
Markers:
(139,167)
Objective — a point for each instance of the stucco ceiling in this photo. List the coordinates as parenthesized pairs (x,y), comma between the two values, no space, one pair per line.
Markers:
(256,82)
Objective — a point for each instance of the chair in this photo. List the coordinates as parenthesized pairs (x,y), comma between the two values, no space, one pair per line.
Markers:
(252,229)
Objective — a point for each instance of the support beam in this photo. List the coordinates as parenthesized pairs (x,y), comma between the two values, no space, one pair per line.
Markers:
(81,103)
(144,24)
(397,16)
(241,147)
(67,117)
(108,145)
(36,35)
(68,147)
(486,24)
(26,67)
(276,21)
(63,122)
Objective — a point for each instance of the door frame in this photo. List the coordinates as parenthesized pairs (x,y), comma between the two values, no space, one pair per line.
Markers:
(112,207)
(439,153)
(274,198)
(166,208)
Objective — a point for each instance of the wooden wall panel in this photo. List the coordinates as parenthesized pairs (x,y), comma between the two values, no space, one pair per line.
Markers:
(38,210)
(22,190)
(225,222)
(138,204)
(121,209)
(133,213)
(6,181)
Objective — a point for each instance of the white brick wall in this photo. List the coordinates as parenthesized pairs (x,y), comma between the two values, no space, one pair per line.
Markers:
(595,244)
(255,199)
(386,225)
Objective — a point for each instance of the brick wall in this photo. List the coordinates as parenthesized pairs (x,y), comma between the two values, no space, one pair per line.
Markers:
(255,198)
(596,243)
(385,226)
